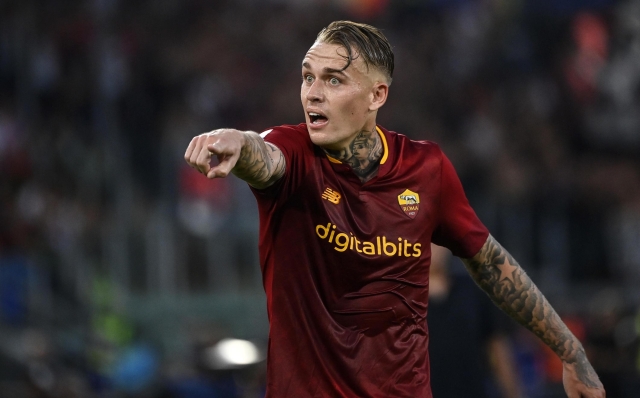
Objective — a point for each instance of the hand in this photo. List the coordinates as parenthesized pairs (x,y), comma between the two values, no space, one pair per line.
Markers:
(225,144)
(581,381)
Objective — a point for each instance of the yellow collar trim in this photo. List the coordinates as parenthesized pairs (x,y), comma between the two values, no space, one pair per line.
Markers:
(384,144)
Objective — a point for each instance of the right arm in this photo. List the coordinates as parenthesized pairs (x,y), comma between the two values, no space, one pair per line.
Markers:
(243,153)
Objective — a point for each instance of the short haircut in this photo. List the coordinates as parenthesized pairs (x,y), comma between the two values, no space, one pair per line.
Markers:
(368,41)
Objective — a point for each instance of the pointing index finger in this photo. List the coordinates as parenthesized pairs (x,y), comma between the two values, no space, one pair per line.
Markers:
(224,167)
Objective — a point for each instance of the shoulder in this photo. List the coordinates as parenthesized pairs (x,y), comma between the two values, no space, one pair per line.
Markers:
(289,138)
(406,148)
(293,131)
(403,141)
(424,147)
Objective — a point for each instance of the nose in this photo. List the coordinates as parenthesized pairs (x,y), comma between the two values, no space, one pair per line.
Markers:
(314,92)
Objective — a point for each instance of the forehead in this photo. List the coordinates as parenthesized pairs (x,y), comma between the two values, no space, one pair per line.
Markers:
(332,56)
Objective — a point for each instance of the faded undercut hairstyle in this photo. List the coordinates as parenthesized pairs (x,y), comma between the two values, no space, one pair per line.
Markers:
(363,40)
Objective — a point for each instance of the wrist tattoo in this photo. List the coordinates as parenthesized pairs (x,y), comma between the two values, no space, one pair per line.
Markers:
(256,165)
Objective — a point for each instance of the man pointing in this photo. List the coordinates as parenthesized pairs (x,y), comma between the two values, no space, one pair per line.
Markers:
(347,213)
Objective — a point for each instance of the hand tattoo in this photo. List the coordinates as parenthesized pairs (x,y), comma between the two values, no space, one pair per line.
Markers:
(511,289)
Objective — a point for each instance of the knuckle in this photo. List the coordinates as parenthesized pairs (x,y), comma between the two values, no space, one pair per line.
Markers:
(214,133)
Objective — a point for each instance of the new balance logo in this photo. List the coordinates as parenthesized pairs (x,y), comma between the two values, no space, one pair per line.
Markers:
(331,195)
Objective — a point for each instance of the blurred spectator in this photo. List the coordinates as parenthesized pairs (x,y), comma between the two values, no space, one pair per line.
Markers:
(469,345)
(535,102)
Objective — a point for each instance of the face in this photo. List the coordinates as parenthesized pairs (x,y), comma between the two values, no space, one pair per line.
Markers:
(360,149)
(338,104)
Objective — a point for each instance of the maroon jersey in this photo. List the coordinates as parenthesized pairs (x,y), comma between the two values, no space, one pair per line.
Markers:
(346,266)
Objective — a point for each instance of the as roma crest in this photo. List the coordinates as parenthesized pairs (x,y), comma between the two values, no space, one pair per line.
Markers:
(409,202)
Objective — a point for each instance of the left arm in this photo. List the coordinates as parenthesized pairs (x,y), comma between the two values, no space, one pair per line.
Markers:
(511,289)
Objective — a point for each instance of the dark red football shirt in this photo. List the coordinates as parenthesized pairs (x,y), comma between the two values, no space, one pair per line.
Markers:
(346,266)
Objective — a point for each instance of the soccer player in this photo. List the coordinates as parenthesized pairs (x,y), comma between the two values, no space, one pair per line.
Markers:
(345,249)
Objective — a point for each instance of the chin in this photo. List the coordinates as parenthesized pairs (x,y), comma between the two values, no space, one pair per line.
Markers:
(327,138)
(320,139)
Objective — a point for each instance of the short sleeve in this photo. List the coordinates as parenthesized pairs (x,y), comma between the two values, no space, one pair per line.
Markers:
(297,149)
(459,229)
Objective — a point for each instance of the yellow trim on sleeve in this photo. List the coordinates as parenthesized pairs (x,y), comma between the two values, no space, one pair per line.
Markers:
(384,144)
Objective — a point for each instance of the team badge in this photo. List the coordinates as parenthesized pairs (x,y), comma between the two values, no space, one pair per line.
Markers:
(409,202)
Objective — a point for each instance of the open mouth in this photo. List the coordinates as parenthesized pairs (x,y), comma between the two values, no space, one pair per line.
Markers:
(316,118)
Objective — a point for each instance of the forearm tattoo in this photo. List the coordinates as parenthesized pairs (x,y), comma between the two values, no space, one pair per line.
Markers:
(363,154)
(260,163)
(511,289)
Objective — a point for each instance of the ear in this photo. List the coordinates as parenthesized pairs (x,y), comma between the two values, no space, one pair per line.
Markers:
(379,93)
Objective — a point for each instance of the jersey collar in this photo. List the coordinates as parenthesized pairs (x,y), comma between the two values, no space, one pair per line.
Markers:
(385,147)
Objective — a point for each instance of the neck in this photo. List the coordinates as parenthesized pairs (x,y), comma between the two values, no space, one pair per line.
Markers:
(364,142)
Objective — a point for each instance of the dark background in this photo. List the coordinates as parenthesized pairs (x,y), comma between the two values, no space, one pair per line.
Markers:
(118,263)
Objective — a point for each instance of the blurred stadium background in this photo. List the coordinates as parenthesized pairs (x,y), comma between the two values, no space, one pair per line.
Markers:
(120,267)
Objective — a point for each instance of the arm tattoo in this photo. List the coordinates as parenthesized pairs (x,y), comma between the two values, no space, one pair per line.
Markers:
(260,163)
(363,154)
(511,289)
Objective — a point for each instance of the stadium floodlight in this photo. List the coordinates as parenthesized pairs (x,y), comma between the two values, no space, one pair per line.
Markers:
(232,353)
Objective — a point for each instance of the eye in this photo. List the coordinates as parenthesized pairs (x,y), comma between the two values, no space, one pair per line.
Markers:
(334,81)
(308,79)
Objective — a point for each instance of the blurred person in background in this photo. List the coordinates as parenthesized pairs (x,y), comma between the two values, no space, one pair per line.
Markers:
(464,324)
(347,304)
(85,85)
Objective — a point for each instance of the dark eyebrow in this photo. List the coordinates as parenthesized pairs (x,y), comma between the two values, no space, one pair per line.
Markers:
(334,71)
(325,69)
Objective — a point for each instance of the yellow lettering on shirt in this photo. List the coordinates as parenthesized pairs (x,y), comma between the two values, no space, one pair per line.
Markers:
(343,242)
(342,245)
(416,250)
(368,248)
